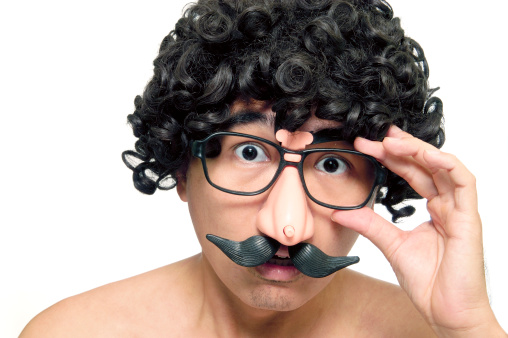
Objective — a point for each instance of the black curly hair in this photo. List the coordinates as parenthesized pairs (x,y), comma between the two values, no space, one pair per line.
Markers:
(343,60)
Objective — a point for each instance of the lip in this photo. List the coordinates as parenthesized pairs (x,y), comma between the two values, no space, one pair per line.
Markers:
(277,273)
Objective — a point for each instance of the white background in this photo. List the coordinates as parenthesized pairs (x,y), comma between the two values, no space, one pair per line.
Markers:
(70,218)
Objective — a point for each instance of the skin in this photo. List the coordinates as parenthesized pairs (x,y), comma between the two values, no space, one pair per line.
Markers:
(209,295)
(216,212)
(440,263)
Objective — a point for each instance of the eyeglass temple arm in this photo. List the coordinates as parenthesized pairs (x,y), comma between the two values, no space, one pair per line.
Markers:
(197,148)
(381,175)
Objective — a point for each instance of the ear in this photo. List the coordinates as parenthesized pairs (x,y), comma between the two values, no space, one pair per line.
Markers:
(181,187)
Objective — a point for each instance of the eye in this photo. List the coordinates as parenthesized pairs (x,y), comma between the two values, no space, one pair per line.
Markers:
(251,152)
(332,165)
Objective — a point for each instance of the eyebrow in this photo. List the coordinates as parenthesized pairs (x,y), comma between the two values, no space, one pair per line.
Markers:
(243,117)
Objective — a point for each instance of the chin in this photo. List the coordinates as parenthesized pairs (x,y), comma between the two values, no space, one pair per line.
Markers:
(277,298)
(266,288)
(284,296)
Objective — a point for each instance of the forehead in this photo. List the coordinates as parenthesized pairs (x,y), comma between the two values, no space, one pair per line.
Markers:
(313,124)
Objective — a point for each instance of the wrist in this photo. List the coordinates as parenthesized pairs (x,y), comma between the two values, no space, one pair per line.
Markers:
(487,328)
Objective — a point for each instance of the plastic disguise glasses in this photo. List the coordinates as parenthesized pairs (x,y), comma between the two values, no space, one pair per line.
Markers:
(248,165)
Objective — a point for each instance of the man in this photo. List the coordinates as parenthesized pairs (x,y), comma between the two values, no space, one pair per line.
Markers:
(281,123)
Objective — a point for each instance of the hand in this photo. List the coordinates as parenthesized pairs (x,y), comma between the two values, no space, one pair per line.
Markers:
(439,263)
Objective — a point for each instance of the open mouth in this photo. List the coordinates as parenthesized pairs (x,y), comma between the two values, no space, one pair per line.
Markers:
(281,257)
(279,268)
(281,261)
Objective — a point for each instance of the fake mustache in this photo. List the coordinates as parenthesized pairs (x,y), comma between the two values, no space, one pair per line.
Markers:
(257,250)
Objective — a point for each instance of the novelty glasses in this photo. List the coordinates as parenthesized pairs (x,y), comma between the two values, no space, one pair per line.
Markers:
(243,164)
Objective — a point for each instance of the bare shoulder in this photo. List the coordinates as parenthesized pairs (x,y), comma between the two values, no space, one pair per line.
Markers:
(383,309)
(148,303)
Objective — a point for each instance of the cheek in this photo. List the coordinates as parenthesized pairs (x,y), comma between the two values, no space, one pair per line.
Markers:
(216,212)
(332,238)
(347,239)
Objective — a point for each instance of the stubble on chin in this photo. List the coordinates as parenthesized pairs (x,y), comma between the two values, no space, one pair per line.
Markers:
(270,299)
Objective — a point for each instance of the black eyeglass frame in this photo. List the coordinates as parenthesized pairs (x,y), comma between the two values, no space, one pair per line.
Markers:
(198,147)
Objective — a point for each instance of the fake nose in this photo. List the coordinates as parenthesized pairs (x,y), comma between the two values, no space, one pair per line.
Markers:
(285,215)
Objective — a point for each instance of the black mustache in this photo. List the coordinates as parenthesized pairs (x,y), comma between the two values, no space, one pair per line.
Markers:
(257,250)
(254,251)
(315,263)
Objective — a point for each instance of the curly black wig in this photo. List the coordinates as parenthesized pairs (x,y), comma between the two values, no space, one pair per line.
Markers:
(343,60)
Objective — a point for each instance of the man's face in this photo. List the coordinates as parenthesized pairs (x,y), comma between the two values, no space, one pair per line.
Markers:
(268,286)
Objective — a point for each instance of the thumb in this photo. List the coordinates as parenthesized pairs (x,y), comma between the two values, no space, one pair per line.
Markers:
(383,234)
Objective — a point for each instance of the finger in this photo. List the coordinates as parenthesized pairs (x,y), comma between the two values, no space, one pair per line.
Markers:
(455,177)
(407,146)
(383,234)
(401,162)
(399,146)
(372,148)
(396,132)
(448,174)
(452,176)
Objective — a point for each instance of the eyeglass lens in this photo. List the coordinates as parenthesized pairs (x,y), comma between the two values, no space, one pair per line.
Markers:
(248,165)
